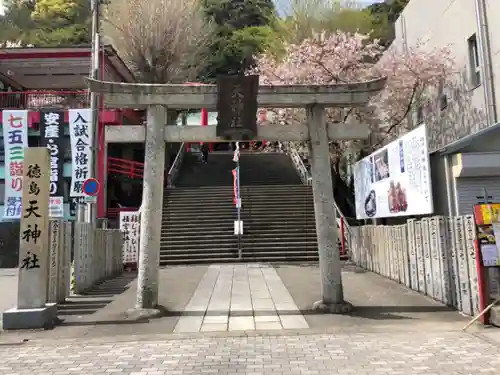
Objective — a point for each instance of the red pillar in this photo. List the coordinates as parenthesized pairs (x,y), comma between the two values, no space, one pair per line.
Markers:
(204,122)
(101,172)
(482,286)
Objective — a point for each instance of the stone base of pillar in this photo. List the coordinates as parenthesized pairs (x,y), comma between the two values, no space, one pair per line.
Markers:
(40,318)
(142,314)
(332,308)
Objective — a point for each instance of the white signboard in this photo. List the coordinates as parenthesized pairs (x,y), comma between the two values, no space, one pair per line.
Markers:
(81,156)
(129,226)
(15,138)
(395,180)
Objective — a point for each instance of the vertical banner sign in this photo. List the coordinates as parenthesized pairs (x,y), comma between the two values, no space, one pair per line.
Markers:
(34,235)
(81,156)
(52,131)
(487,231)
(129,226)
(15,135)
(236,188)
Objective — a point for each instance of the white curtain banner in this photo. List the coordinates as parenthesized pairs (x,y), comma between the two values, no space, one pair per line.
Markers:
(130,227)
(15,136)
(395,180)
(81,156)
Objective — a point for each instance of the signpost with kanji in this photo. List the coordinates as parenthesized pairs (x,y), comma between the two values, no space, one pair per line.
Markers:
(32,310)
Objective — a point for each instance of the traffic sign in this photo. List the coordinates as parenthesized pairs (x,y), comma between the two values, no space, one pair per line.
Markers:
(91,187)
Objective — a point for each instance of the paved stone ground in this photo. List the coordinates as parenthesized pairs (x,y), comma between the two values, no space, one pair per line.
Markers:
(240,298)
(8,287)
(378,302)
(356,354)
(392,331)
(380,305)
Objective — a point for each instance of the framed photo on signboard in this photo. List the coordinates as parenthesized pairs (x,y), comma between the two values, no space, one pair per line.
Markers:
(486,217)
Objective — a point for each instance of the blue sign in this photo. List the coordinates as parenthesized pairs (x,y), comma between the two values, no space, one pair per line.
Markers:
(91,186)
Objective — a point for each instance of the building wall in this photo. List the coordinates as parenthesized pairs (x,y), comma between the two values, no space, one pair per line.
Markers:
(450,23)
(439,192)
(442,23)
(493,10)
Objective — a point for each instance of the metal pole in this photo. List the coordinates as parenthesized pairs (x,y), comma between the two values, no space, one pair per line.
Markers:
(240,252)
(94,125)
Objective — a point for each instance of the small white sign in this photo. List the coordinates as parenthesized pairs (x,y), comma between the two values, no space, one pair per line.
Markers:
(238,227)
(238,203)
(90,199)
(129,225)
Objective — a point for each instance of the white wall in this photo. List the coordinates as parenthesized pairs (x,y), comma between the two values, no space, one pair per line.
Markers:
(493,11)
(440,23)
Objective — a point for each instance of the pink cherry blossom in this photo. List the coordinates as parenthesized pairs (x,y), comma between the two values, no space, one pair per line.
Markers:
(412,76)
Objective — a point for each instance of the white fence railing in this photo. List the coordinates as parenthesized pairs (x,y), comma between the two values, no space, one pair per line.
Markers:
(434,256)
(176,166)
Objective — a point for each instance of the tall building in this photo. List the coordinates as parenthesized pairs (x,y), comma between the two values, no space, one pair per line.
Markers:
(463,129)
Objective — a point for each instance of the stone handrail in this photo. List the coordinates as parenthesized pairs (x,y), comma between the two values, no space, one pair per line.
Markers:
(176,165)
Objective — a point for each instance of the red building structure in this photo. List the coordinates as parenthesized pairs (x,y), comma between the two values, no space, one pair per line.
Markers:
(35,79)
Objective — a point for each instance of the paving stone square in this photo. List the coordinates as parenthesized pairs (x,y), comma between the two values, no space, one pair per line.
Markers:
(429,353)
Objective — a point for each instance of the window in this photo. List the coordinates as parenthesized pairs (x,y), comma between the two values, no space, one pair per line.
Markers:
(475,73)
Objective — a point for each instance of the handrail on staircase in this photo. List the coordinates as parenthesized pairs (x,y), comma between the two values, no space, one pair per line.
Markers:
(306,178)
(176,165)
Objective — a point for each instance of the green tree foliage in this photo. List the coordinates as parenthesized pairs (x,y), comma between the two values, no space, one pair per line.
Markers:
(243,29)
(46,22)
(385,15)
(307,17)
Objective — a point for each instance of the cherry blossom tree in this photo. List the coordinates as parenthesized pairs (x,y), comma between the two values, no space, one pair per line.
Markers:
(413,77)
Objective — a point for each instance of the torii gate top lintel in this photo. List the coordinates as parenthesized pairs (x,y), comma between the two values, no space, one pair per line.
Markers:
(181,96)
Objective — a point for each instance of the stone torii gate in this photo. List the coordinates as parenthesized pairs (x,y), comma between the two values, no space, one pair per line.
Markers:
(158,99)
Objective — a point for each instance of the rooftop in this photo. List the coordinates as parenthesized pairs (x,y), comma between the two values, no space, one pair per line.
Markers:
(58,68)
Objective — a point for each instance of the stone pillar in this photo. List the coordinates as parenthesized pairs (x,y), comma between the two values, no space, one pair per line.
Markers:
(56,241)
(65,274)
(32,309)
(332,297)
(152,204)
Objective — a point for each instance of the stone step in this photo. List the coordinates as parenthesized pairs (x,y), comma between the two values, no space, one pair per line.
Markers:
(202,195)
(253,214)
(228,231)
(207,209)
(249,188)
(245,240)
(297,259)
(199,250)
(217,225)
(217,217)
(229,236)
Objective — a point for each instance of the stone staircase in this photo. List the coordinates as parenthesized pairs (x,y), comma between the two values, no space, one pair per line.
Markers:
(277,212)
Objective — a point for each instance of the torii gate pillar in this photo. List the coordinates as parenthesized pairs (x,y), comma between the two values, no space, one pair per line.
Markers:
(332,295)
